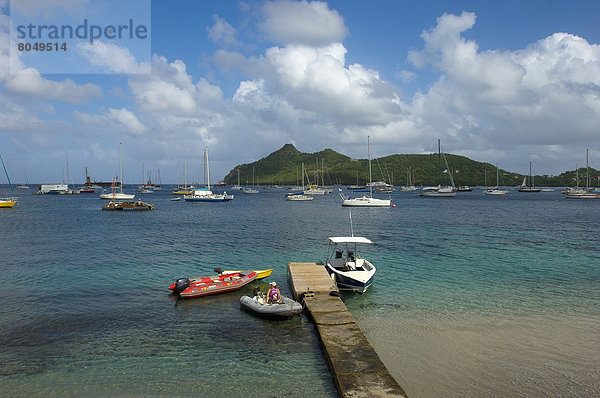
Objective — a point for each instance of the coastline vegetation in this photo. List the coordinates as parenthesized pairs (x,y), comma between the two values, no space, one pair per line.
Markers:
(283,167)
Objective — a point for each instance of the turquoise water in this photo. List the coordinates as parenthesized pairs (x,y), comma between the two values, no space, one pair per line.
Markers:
(86,309)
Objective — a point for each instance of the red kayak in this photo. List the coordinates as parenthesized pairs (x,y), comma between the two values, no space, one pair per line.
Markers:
(221,283)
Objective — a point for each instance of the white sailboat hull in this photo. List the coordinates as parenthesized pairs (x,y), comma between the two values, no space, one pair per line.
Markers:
(366,201)
(438,192)
(116,196)
(495,192)
(299,198)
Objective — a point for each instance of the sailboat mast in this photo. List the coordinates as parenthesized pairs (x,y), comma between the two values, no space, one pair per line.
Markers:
(207,169)
(530,176)
(121,164)
(185,170)
(439,164)
(7,177)
(370,176)
(587,170)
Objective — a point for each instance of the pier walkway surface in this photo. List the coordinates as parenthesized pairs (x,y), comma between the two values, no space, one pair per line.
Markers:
(356,367)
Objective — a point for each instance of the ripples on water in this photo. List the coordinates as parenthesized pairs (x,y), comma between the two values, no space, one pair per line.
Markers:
(474,296)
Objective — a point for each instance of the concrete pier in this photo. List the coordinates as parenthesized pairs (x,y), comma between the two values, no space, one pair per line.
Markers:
(356,367)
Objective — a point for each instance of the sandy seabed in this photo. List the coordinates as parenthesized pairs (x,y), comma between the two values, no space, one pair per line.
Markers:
(541,356)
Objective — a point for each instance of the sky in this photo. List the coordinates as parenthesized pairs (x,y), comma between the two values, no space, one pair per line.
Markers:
(504,82)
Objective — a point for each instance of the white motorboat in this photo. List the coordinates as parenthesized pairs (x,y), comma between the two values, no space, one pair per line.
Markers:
(346,267)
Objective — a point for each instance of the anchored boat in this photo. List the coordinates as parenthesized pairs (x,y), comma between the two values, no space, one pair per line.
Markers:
(258,305)
(346,267)
(128,206)
(204,286)
(260,273)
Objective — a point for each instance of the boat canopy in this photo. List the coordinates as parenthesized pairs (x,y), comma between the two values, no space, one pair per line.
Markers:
(349,239)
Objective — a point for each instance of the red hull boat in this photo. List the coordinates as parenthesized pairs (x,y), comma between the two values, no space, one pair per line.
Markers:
(204,286)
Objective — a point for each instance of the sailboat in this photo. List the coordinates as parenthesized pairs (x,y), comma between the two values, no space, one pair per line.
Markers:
(237,187)
(496,191)
(409,187)
(587,193)
(184,189)
(157,187)
(357,186)
(118,195)
(205,194)
(315,189)
(528,188)
(298,187)
(7,202)
(26,185)
(248,189)
(147,187)
(299,197)
(439,191)
(367,201)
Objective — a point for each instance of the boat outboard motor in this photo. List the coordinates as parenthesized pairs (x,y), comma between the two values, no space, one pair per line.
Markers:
(218,271)
(181,284)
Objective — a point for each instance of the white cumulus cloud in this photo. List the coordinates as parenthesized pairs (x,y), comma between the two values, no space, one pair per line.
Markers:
(111,57)
(303,22)
(127,119)
(222,32)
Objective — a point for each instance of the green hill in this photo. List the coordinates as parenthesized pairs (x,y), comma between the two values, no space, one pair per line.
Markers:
(283,167)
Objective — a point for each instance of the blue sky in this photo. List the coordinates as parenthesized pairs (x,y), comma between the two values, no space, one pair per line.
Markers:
(501,82)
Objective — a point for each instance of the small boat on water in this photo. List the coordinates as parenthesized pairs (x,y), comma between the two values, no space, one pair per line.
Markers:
(220,283)
(531,187)
(258,305)
(367,201)
(113,195)
(137,205)
(7,203)
(440,191)
(348,270)
(205,194)
(260,273)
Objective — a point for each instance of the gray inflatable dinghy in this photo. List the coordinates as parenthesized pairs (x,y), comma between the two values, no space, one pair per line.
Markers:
(258,306)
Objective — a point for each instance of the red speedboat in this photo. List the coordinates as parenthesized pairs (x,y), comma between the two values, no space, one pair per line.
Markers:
(204,286)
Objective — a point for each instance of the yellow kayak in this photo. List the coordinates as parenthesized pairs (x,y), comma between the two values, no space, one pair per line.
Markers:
(261,273)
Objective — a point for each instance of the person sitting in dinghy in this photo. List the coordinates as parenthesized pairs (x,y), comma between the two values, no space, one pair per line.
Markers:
(273,295)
